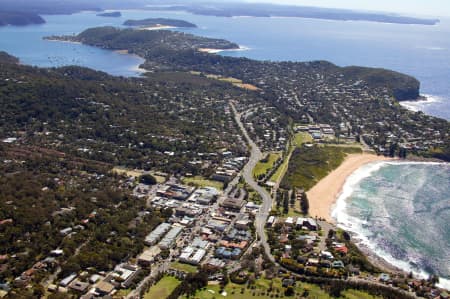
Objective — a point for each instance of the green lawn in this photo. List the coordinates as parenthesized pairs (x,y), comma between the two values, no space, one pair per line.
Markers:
(203,182)
(264,167)
(163,288)
(261,291)
(184,267)
(309,165)
(300,138)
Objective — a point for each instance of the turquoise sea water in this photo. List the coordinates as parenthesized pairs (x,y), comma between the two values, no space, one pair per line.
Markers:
(401,210)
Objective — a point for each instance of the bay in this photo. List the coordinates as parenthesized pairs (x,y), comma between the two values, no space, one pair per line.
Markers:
(421,51)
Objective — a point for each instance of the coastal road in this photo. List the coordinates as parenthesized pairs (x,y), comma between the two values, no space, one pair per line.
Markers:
(247,173)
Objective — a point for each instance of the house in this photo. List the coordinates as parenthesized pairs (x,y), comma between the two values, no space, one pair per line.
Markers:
(384,277)
(338,265)
(126,274)
(327,255)
(289,221)
(79,286)
(214,263)
(288,282)
(104,288)
(66,231)
(306,223)
(147,257)
(313,261)
(242,224)
(67,280)
(233,203)
(271,221)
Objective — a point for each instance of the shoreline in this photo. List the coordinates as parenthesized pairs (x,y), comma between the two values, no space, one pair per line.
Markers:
(217,51)
(420,103)
(325,199)
(323,196)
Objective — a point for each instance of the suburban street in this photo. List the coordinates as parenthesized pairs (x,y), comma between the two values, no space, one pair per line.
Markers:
(255,157)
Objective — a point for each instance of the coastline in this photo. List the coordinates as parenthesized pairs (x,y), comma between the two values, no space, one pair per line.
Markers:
(379,257)
(161,27)
(217,51)
(421,103)
(323,196)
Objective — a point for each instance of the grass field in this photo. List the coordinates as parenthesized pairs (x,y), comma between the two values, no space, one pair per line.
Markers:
(261,291)
(184,267)
(309,165)
(263,167)
(203,182)
(136,173)
(163,288)
(298,140)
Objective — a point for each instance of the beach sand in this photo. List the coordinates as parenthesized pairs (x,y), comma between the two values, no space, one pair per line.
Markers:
(324,194)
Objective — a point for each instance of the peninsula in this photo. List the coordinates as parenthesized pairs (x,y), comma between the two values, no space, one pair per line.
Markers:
(113,14)
(20,18)
(158,22)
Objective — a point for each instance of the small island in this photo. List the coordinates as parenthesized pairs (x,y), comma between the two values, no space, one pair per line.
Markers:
(20,19)
(159,23)
(113,14)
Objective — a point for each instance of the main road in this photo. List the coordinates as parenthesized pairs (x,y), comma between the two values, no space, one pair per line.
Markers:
(247,173)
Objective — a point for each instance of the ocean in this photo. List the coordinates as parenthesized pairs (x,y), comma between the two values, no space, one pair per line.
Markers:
(421,51)
(399,210)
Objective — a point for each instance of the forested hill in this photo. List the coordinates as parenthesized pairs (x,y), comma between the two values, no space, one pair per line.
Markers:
(19,18)
(174,50)
(6,58)
(143,41)
(132,122)
(403,87)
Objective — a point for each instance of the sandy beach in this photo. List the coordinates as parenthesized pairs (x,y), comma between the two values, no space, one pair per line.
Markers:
(324,194)
(157,27)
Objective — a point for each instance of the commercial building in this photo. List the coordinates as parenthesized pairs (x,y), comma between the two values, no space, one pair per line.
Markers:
(170,238)
(156,234)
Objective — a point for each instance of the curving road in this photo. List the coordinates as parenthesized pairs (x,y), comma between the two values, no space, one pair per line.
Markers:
(247,173)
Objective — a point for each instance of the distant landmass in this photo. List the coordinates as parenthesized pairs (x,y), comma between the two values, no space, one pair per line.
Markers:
(269,10)
(114,14)
(155,22)
(19,18)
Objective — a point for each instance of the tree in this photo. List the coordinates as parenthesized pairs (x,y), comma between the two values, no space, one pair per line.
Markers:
(147,179)
(304,203)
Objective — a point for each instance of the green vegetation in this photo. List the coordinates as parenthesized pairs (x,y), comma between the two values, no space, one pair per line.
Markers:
(183,267)
(301,138)
(403,87)
(98,117)
(266,289)
(200,181)
(163,288)
(298,140)
(50,192)
(308,165)
(263,166)
(147,179)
